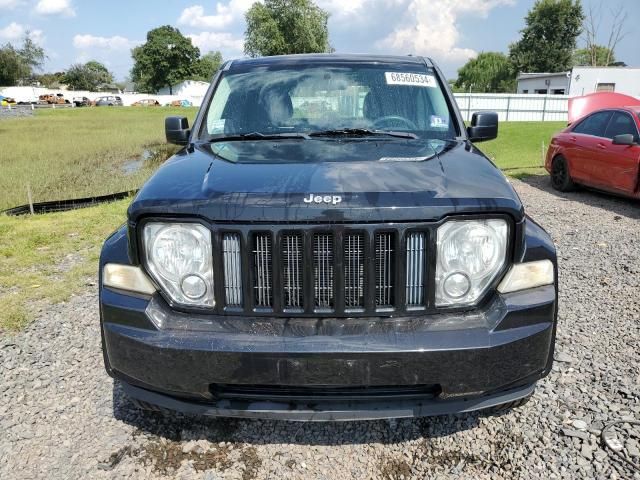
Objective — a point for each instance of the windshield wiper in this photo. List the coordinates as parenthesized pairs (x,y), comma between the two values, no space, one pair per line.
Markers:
(361,132)
(258,136)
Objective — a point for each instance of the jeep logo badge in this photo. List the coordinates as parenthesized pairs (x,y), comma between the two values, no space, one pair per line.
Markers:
(327,199)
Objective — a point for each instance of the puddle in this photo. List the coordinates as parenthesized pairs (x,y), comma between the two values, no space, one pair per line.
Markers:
(133,165)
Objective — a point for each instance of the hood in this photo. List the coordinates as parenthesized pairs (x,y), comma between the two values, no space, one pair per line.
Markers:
(376,181)
(582,106)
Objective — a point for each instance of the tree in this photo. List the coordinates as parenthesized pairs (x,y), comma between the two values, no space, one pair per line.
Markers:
(32,54)
(549,37)
(88,76)
(207,65)
(167,57)
(279,27)
(594,56)
(489,72)
(50,80)
(18,64)
(598,54)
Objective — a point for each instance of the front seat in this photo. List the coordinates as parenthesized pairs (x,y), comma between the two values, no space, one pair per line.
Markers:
(277,106)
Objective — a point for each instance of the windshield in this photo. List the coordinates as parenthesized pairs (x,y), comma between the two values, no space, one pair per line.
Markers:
(319,99)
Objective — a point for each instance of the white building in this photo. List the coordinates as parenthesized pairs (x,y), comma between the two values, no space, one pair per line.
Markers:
(187,88)
(544,83)
(582,81)
(585,80)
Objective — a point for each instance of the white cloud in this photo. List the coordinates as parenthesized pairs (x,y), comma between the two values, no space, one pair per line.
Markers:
(15,31)
(88,41)
(229,45)
(55,7)
(342,8)
(225,15)
(429,27)
(10,4)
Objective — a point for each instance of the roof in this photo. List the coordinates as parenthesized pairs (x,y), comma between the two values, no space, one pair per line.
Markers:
(320,58)
(522,76)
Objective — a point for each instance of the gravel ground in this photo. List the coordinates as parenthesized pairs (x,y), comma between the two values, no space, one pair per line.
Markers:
(61,416)
(15,112)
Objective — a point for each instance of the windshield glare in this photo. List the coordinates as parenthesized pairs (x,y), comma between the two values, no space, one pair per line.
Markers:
(400,98)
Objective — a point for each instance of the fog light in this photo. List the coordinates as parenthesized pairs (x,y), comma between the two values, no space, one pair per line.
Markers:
(456,285)
(194,287)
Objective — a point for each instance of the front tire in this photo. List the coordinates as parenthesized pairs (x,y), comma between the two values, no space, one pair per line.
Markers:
(560,175)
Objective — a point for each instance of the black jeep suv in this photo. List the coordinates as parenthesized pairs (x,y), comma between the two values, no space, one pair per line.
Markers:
(328,245)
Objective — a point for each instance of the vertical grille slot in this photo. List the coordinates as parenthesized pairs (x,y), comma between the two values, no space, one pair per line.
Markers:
(292,264)
(354,270)
(323,270)
(415,269)
(232,269)
(263,278)
(385,269)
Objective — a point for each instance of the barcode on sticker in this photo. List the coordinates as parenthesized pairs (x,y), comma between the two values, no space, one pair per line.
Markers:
(414,79)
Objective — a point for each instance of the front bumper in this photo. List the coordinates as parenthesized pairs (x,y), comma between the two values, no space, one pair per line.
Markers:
(464,361)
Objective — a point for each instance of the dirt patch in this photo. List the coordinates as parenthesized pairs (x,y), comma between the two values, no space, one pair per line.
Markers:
(395,469)
(252,463)
(167,456)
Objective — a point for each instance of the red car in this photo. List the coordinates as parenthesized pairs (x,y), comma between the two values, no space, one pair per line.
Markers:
(600,150)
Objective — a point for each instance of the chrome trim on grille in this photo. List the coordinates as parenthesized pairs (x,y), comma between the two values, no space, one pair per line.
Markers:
(385,269)
(292,272)
(323,270)
(263,281)
(354,270)
(415,269)
(232,269)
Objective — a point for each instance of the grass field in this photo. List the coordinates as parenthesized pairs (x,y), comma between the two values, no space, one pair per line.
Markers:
(518,148)
(76,153)
(80,152)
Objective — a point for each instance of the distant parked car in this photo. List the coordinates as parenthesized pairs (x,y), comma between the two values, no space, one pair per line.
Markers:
(6,101)
(52,99)
(181,103)
(146,102)
(600,150)
(82,102)
(109,101)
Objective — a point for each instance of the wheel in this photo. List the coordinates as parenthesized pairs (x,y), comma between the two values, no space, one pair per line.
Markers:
(560,175)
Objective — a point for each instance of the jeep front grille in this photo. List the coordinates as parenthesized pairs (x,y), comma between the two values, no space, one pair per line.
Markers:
(232,269)
(324,271)
(385,271)
(292,271)
(354,271)
(415,269)
(263,276)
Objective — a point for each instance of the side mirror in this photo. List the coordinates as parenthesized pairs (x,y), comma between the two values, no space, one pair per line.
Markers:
(177,130)
(484,126)
(626,139)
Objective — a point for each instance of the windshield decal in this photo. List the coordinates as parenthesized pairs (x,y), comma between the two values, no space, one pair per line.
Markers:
(412,79)
(439,122)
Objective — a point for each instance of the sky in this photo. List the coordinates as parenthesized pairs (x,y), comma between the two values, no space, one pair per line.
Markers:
(449,31)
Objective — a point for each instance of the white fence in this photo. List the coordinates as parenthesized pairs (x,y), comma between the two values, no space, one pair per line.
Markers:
(510,107)
(515,107)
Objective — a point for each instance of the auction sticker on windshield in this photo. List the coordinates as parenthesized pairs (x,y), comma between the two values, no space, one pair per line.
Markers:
(413,79)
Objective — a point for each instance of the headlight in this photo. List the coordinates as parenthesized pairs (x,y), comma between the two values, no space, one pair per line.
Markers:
(180,260)
(471,253)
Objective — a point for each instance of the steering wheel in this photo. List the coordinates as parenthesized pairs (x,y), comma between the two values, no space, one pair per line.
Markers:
(382,121)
